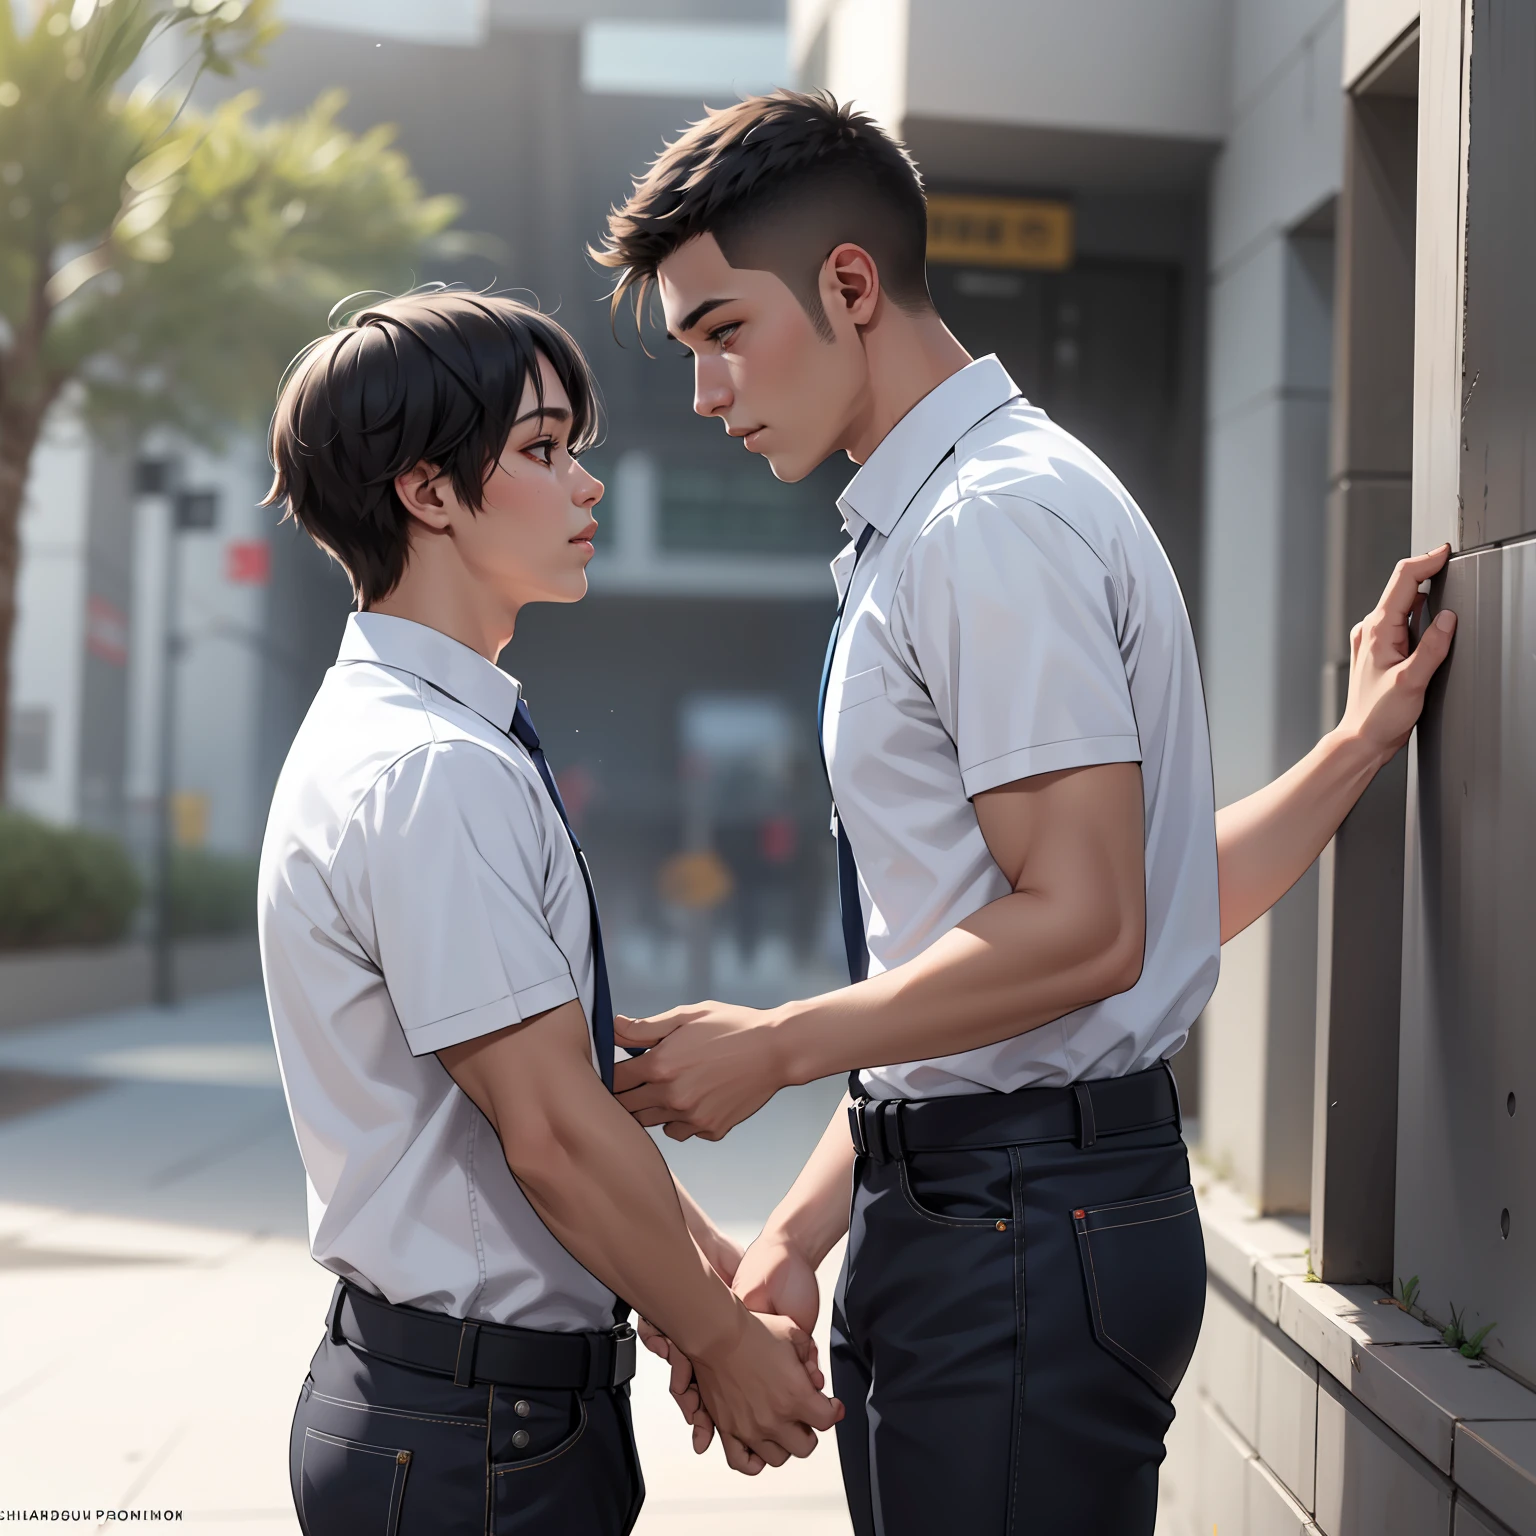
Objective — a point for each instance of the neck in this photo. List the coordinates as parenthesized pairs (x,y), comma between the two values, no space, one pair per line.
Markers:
(908,357)
(440,595)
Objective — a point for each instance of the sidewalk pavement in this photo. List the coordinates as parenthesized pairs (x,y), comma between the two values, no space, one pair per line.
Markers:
(158,1303)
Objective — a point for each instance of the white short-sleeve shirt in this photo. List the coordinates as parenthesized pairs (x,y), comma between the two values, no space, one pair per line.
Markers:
(418,890)
(1014,614)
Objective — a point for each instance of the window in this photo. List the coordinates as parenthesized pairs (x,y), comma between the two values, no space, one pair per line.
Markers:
(31,728)
(746,511)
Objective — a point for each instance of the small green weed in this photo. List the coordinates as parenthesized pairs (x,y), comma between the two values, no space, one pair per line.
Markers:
(1456,1336)
(1407,1295)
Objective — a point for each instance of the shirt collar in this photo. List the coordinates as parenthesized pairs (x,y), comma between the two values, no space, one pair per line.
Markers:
(905,457)
(432,656)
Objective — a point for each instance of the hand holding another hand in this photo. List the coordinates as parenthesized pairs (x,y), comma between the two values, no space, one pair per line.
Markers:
(751,1392)
(708,1067)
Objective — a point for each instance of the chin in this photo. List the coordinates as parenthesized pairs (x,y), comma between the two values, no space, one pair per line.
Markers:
(789,470)
(569,590)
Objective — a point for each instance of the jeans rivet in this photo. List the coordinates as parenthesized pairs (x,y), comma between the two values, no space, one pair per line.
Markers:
(1002,1226)
(520,1439)
(521,1408)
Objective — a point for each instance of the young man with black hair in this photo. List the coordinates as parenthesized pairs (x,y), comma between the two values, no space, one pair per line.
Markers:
(1015,737)
(435,973)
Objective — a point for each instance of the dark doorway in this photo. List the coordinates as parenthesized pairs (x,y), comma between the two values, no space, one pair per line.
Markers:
(1097,348)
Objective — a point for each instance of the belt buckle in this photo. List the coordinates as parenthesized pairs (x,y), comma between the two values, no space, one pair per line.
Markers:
(623,1354)
(856,1127)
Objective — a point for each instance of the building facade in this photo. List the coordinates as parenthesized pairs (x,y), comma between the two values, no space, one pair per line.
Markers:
(1268,260)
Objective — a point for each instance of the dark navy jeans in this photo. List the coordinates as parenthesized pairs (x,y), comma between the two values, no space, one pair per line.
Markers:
(1008,1332)
(382,1450)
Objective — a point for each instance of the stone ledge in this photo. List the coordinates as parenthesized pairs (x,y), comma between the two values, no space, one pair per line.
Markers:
(38,986)
(1468,1420)
(1496,1464)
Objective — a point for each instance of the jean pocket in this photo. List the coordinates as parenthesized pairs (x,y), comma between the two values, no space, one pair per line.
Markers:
(960,1189)
(349,1488)
(1144,1269)
(548,1425)
(580,1482)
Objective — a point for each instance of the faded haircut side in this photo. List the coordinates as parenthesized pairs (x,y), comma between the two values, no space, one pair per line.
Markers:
(780,181)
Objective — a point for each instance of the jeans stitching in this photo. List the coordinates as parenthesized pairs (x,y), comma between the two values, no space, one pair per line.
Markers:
(396,1413)
(974,1223)
(502,1468)
(392,1513)
(1146,1221)
(1021,1335)
(490,1463)
(1099,1310)
(1126,1205)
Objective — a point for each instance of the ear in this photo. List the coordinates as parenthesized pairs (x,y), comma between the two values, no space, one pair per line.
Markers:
(850,284)
(427,494)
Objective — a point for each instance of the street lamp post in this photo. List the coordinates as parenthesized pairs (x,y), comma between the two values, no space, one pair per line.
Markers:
(188,510)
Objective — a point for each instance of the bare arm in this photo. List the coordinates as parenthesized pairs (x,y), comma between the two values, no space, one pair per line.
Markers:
(722,1253)
(1070,932)
(778,1272)
(1266,842)
(600,1185)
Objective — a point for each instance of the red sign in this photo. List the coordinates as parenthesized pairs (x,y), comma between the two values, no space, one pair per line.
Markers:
(248,562)
(106,631)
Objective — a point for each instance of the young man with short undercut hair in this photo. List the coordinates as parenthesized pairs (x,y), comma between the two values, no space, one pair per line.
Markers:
(1015,737)
(435,972)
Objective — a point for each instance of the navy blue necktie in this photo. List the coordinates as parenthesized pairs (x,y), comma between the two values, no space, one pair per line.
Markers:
(602,1003)
(847,869)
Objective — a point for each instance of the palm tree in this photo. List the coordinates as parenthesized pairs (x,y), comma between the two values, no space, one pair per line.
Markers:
(161,265)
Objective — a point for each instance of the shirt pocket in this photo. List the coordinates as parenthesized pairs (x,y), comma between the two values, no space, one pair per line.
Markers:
(861,688)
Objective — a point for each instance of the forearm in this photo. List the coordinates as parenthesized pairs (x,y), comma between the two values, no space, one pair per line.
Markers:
(814,1214)
(719,1251)
(598,1182)
(1016,964)
(1266,842)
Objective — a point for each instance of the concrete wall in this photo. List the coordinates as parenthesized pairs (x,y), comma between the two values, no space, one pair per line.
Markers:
(1115,66)
(1270,327)
(48,644)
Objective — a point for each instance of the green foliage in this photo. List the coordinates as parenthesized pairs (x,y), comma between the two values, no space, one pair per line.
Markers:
(61,885)
(1407,1294)
(1473,1348)
(1455,1334)
(174,260)
(211,893)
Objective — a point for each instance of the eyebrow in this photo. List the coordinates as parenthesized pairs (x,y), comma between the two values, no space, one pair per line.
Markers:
(558,412)
(696,314)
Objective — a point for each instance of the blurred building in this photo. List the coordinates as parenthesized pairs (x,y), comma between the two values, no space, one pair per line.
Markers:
(1237,245)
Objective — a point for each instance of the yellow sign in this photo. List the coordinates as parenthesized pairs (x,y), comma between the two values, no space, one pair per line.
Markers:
(999,231)
(697,881)
(189,818)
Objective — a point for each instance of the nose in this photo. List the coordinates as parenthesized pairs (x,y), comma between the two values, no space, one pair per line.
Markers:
(589,489)
(711,386)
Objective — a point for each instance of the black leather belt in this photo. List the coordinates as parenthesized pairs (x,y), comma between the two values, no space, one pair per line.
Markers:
(888,1129)
(470,1353)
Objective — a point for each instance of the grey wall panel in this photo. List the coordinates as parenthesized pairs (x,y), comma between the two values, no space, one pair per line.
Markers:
(1466,1206)
(1498,491)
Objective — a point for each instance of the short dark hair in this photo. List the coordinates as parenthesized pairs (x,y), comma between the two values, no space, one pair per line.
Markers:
(434,376)
(780,181)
